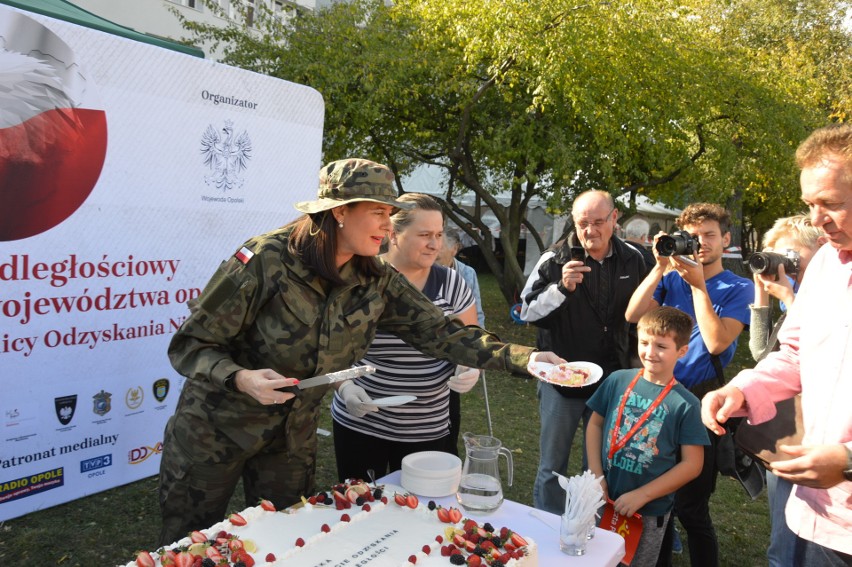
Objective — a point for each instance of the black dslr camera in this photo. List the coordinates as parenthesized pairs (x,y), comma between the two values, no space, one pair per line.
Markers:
(678,243)
(768,262)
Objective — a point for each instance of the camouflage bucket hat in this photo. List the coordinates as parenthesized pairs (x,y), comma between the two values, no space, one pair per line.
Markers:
(352,180)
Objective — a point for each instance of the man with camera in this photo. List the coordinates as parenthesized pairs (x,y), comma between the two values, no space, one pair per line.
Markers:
(689,275)
(814,360)
(576,296)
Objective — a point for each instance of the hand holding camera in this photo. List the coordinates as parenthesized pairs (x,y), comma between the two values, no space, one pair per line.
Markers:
(768,263)
(770,271)
(678,243)
(679,248)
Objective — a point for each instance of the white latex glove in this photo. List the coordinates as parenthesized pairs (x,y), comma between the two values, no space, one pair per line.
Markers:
(464,379)
(358,403)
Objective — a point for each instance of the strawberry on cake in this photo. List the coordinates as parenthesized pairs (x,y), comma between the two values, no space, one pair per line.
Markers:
(353,525)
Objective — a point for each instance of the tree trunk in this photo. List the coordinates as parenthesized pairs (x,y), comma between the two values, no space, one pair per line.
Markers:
(734,206)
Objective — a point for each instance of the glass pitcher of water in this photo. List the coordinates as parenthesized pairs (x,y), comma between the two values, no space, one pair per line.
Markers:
(480,489)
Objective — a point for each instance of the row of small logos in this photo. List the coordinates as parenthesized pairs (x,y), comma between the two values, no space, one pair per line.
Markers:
(91,468)
(102,402)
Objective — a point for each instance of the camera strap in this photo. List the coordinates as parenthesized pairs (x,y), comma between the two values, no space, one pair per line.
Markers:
(773,338)
(717,364)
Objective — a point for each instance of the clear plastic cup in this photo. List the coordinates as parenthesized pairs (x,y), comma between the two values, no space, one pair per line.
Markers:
(573,535)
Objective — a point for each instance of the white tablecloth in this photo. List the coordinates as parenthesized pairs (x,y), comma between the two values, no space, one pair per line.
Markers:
(604,550)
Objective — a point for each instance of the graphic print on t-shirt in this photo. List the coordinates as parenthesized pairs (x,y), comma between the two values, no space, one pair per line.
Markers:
(641,449)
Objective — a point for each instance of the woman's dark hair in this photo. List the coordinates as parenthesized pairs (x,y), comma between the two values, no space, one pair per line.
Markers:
(314,241)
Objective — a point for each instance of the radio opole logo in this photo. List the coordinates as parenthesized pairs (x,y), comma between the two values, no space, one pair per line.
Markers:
(52,142)
(32,484)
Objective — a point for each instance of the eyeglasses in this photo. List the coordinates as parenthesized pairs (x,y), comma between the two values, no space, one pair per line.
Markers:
(598,224)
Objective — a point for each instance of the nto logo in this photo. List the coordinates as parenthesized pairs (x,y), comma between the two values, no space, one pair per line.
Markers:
(161,389)
(65,406)
(225,156)
(141,454)
(134,397)
(52,130)
(102,401)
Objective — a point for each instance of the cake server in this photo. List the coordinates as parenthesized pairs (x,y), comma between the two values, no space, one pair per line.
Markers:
(333,377)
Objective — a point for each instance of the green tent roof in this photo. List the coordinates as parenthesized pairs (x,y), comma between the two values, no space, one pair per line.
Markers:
(63,10)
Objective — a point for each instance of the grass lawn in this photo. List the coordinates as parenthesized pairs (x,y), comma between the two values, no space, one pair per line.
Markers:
(107,528)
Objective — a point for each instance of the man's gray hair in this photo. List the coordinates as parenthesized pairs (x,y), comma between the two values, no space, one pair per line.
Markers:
(451,238)
(637,228)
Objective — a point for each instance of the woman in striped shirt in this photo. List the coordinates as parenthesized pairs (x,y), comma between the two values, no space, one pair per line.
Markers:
(378,440)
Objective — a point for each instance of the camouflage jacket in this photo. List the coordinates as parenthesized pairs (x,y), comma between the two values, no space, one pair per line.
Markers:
(273,312)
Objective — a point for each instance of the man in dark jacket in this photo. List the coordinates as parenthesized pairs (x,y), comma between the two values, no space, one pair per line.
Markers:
(578,302)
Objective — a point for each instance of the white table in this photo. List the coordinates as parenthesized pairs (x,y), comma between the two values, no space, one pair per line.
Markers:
(604,550)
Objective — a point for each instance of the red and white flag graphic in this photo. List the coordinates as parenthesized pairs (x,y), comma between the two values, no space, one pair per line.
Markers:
(244,255)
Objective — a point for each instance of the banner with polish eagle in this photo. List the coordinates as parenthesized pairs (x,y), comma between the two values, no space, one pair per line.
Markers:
(128,172)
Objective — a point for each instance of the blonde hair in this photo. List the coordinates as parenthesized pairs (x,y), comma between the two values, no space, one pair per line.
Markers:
(797,227)
(823,144)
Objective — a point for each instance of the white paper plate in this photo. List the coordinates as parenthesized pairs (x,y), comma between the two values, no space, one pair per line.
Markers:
(431,473)
(431,464)
(547,372)
(393,401)
(430,487)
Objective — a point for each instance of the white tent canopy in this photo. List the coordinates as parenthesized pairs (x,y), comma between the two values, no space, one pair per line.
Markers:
(647,207)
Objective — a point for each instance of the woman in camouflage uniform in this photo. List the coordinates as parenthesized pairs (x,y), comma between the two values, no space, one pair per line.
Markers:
(295,302)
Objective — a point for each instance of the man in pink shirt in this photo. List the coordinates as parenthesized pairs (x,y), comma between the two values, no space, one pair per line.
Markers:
(816,360)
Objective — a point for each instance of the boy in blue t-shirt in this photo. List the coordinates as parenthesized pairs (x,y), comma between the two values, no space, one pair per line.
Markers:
(645,436)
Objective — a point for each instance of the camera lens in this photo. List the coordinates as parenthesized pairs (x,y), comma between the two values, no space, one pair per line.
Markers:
(666,246)
(768,263)
(759,262)
(678,243)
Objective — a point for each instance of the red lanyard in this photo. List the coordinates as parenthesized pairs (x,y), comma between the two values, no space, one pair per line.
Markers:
(615,444)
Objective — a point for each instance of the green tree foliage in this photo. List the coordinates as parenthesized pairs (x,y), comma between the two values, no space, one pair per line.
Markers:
(800,50)
(691,101)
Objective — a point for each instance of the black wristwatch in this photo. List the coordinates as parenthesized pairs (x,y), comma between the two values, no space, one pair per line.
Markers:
(847,473)
(231,382)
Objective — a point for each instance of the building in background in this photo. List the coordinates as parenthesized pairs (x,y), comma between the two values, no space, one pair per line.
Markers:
(657,215)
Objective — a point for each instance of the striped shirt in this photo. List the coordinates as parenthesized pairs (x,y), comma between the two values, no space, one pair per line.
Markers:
(402,369)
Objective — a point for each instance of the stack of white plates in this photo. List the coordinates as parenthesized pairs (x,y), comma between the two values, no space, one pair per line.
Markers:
(431,473)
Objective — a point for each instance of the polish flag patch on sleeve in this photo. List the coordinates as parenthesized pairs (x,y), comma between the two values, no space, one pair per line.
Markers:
(244,255)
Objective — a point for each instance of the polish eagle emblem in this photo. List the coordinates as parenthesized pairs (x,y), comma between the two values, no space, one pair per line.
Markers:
(226,155)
